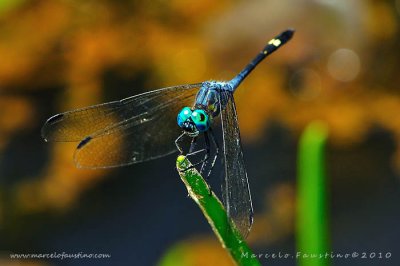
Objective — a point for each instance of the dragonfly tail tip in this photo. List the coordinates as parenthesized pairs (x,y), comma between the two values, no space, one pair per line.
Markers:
(289,33)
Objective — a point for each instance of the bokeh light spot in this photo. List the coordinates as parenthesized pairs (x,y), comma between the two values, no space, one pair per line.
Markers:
(344,65)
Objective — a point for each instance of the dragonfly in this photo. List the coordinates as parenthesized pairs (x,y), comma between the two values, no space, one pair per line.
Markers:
(152,125)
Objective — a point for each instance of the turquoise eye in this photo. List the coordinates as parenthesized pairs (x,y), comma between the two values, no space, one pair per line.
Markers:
(201,120)
(183,115)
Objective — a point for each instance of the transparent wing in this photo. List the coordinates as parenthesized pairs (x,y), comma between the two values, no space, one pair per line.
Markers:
(135,129)
(235,188)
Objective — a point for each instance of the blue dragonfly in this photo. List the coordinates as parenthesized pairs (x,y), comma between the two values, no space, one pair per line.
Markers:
(145,127)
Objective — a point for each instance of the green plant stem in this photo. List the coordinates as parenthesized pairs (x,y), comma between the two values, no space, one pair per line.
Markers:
(215,213)
(312,220)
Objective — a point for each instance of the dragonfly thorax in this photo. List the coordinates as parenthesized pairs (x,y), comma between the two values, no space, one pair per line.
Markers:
(208,97)
(193,121)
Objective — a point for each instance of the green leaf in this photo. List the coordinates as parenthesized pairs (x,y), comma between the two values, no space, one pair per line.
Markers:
(215,214)
(312,220)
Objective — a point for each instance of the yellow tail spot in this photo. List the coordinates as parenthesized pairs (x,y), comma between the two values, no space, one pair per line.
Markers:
(275,42)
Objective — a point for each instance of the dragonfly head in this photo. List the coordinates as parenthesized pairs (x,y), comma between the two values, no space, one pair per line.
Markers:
(193,121)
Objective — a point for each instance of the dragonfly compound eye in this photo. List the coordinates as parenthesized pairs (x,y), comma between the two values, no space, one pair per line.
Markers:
(201,120)
(183,115)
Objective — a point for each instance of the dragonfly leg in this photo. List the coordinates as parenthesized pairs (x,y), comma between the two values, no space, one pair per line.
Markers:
(177,142)
(196,152)
(192,153)
(206,150)
(215,154)
(192,145)
(207,155)
(203,162)
(198,163)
